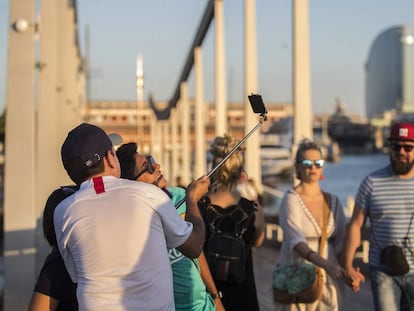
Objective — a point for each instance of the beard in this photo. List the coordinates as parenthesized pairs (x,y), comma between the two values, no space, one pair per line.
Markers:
(399,167)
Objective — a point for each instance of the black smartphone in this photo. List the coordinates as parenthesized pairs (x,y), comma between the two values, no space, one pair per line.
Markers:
(257,104)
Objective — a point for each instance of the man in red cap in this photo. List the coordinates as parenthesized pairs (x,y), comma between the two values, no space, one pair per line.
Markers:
(386,197)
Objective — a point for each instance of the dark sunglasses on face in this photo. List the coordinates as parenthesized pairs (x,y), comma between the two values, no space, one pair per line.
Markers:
(309,163)
(149,166)
(397,147)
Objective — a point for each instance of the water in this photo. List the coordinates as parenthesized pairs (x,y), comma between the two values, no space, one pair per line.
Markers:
(343,178)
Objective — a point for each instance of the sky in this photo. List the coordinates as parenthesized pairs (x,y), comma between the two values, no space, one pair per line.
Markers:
(341,33)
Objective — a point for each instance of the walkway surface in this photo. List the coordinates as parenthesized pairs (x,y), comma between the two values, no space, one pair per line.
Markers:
(264,259)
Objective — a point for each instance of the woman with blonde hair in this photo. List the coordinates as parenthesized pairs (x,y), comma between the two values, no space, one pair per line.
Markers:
(222,203)
(301,218)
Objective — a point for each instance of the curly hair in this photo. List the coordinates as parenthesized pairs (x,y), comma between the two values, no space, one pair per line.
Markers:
(227,176)
(305,145)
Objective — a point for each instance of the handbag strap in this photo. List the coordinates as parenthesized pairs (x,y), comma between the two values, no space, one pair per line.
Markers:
(406,238)
(326,199)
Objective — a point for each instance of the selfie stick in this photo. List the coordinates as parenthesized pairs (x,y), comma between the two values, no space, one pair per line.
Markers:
(263,118)
(241,142)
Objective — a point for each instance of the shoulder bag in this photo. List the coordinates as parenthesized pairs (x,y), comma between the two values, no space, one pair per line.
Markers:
(393,258)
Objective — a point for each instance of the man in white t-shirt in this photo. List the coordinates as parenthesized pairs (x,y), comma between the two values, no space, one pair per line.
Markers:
(113,233)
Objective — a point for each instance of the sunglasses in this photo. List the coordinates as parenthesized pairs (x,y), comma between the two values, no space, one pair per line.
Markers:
(149,166)
(309,163)
(397,147)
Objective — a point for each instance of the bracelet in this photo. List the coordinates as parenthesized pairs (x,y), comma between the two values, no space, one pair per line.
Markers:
(217,295)
(307,257)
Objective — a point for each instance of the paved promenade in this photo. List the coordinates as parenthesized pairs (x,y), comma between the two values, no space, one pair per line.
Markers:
(264,259)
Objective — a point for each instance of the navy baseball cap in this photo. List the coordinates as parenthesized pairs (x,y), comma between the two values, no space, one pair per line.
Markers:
(85,145)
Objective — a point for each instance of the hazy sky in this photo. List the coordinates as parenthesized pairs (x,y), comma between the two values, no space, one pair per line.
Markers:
(341,33)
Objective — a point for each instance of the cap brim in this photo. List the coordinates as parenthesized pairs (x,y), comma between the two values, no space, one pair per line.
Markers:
(399,139)
(115,138)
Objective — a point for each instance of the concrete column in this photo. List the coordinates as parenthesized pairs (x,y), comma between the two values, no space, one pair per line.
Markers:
(185,134)
(252,154)
(162,146)
(49,170)
(140,98)
(200,116)
(302,106)
(220,69)
(19,195)
(68,66)
(174,147)
(156,138)
(165,164)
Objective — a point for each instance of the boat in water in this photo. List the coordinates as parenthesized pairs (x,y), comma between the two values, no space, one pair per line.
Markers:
(276,160)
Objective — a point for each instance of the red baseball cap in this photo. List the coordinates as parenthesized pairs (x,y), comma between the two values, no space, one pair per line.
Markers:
(402,131)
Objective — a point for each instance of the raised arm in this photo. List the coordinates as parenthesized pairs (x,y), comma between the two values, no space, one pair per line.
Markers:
(195,191)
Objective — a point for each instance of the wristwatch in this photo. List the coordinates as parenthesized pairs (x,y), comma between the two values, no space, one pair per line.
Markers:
(217,295)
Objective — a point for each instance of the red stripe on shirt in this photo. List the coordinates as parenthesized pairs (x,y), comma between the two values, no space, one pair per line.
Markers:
(98,184)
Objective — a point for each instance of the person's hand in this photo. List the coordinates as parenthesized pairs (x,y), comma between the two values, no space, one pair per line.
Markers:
(335,270)
(354,278)
(219,305)
(197,189)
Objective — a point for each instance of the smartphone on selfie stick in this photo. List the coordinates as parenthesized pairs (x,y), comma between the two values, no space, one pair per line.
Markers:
(258,106)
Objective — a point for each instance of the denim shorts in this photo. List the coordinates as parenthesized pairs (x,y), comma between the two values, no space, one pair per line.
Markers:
(392,292)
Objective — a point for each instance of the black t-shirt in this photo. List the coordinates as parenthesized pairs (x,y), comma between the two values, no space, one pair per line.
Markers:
(54,281)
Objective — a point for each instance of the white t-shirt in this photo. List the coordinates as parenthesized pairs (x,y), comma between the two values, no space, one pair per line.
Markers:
(113,235)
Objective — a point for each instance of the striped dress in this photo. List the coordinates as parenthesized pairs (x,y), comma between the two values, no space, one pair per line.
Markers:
(389,203)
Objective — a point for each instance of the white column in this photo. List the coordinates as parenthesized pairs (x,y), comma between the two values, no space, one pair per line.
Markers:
(252,159)
(302,107)
(165,164)
(174,147)
(140,98)
(220,72)
(67,71)
(161,147)
(19,188)
(200,116)
(49,170)
(156,139)
(185,134)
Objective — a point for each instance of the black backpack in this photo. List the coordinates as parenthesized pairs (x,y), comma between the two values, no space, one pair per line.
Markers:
(225,249)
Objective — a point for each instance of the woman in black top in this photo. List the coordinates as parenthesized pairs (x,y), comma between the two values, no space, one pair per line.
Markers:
(224,198)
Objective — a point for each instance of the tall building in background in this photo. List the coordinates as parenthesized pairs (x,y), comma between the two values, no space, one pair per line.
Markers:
(389,73)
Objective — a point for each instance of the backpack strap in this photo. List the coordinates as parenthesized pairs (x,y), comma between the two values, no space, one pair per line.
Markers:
(250,208)
(210,214)
(241,216)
